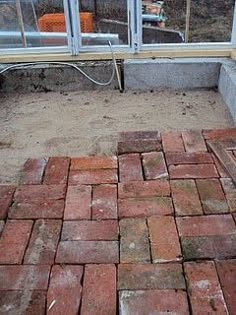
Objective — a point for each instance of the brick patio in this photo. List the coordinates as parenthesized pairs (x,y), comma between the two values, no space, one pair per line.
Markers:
(151,231)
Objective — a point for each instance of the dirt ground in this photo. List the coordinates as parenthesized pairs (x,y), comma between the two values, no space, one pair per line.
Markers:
(87,123)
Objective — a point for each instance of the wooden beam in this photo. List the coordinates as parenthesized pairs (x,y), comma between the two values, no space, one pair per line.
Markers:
(187,26)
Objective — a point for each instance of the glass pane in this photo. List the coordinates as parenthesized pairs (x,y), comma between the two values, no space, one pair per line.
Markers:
(104,20)
(32,23)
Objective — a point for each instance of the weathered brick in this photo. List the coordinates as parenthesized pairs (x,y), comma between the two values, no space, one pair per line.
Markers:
(189,171)
(130,168)
(22,302)
(219,134)
(1,226)
(88,252)
(172,141)
(43,242)
(228,185)
(99,290)
(231,199)
(149,277)
(93,163)
(14,240)
(78,203)
(139,189)
(93,177)
(194,141)
(153,302)
(40,192)
(209,247)
(234,216)
(104,204)
(212,196)
(175,158)
(206,225)
(134,242)
(6,191)
(138,135)
(154,165)
(64,293)
(219,167)
(145,207)
(185,197)
(204,289)
(32,172)
(56,171)
(4,207)
(24,277)
(90,230)
(164,239)
(227,274)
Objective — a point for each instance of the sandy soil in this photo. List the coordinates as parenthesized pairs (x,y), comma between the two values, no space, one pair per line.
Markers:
(82,123)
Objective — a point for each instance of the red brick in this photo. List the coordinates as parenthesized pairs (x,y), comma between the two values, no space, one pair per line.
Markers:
(194,141)
(212,196)
(153,302)
(219,167)
(185,197)
(93,163)
(227,274)
(6,191)
(219,134)
(88,252)
(90,230)
(1,226)
(134,242)
(99,290)
(173,158)
(64,293)
(164,239)
(4,207)
(56,171)
(204,289)
(172,141)
(93,177)
(139,189)
(144,207)
(130,167)
(149,276)
(24,277)
(43,242)
(188,171)
(228,185)
(14,240)
(22,302)
(104,204)
(206,225)
(154,165)
(32,172)
(40,192)
(78,203)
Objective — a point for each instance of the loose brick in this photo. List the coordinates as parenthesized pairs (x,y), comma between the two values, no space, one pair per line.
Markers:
(93,177)
(24,277)
(104,204)
(206,225)
(193,171)
(231,198)
(90,230)
(14,240)
(228,185)
(99,290)
(185,197)
(172,141)
(130,168)
(138,135)
(194,141)
(93,163)
(22,302)
(43,242)
(4,207)
(88,252)
(78,203)
(219,134)
(139,189)
(40,192)
(212,196)
(56,171)
(154,165)
(209,247)
(145,207)
(227,274)
(174,158)
(134,242)
(6,191)
(219,167)
(164,239)
(149,277)
(153,302)
(65,289)
(32,172)
(1,226)
(204,289)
